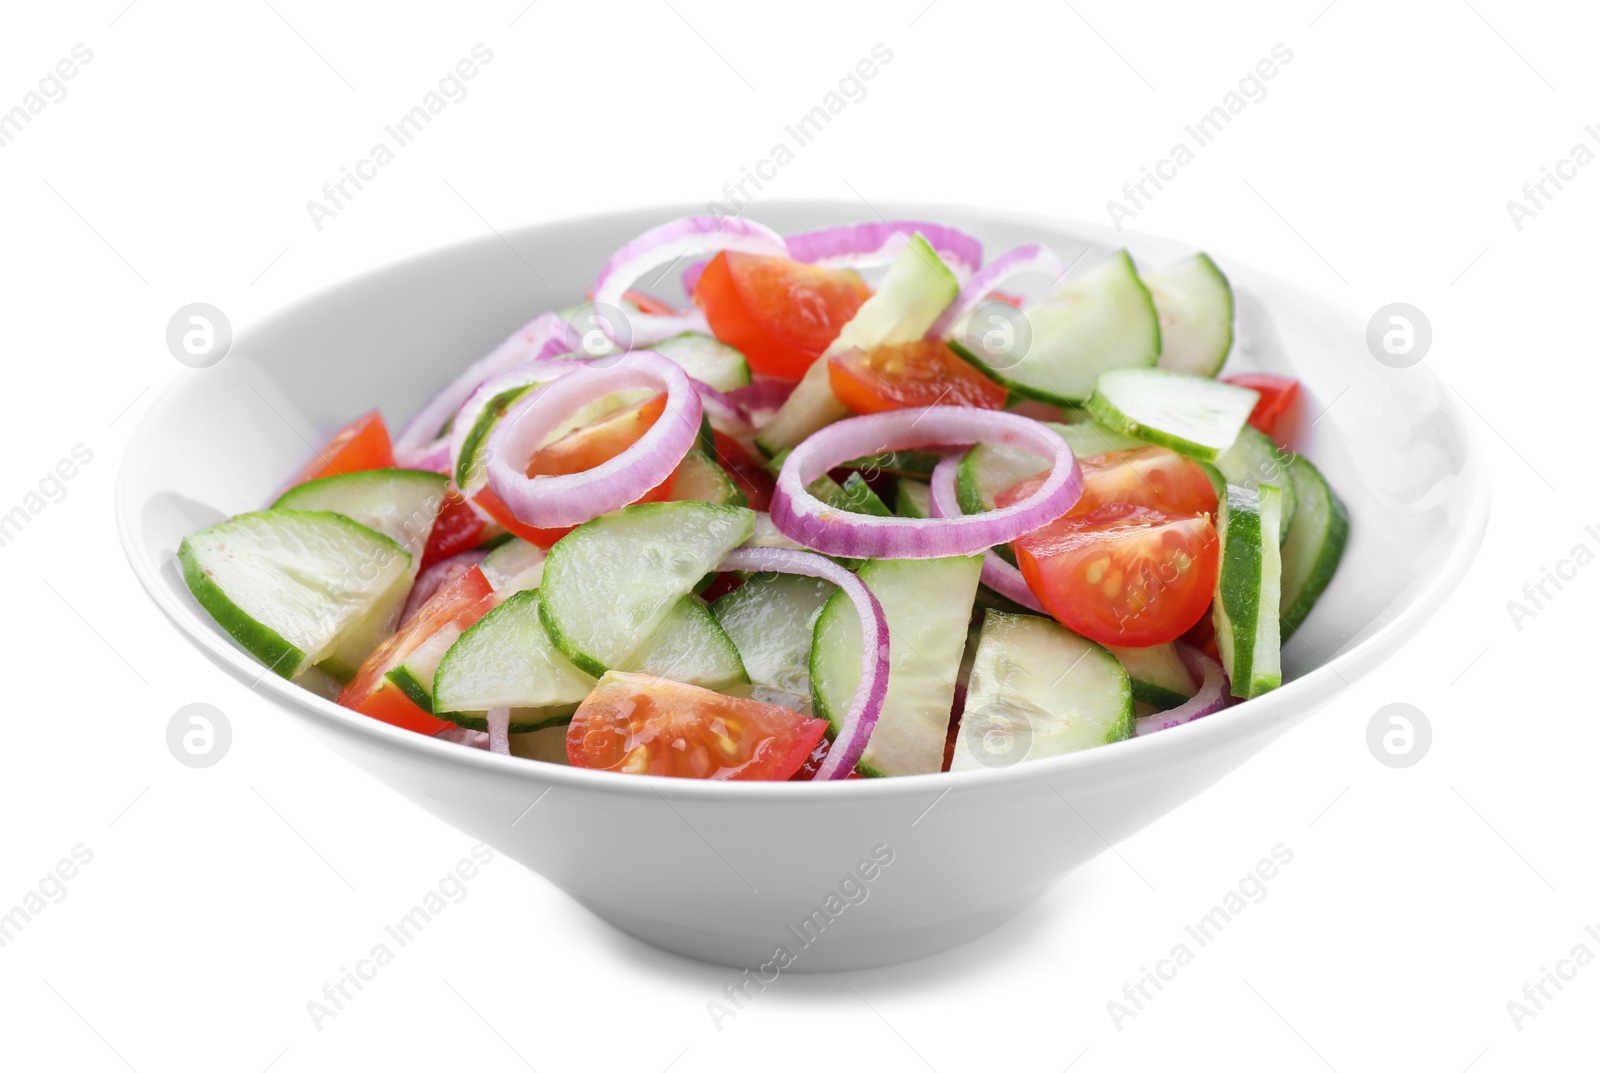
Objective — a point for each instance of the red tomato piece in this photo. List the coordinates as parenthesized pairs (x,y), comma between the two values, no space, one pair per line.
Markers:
(1277,396)
(780,313)
(924,373)
(458,528)
(1151,477)
(463,600)
(747,472)
(362,444)
(578,451)
(643,724)
(1123,574)
(647,303)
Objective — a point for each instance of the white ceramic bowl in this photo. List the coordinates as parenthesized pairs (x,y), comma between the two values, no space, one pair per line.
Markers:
(728,871)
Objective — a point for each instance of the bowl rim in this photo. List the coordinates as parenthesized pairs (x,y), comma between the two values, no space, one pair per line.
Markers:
(1296,697)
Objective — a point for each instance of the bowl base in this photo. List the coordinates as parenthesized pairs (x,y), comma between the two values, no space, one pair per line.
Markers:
(828,952)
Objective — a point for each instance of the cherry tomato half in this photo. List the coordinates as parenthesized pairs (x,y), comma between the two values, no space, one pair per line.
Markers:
(463,600)
(362,444)
(924,373)
(1277,395)
(1123,574)
(780,313)
(643,724)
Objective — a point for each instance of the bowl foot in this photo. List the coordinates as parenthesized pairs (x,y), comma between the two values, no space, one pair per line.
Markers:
(832,951)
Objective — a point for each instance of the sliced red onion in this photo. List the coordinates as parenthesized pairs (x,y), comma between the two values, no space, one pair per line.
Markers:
(1212,697)
(802,517)
(572,499)
(999,575)
(661,247)
(499,720)
(691,276)
(856,727)
(531,372)
(472,739)
(763,393)
(542,337)
(437,577)
(726,415)
(865,245)
(996,272)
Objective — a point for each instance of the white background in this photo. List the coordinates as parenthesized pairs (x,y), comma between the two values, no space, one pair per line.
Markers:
(1377,169)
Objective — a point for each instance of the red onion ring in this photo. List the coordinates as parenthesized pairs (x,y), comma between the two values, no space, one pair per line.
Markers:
(542,337)
(996,272)
(1212,697)
(499,720)
(690,236)
(437,577)
(999,575)
(533,372)
(572,499)
(726,415)
(856,727)
(864,245)
(804,518)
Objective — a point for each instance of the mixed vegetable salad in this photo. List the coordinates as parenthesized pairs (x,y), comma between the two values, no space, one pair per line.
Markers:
(808,528)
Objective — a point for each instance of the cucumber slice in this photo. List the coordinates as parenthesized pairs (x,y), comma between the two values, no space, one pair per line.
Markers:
(699,477)
(288,584)
(1245,610)
(917,289)
(1158,675)
(471,474)
(1103,320)
(1192,415)
(854,495)
(770,619)
(402,504)
(506,660)
(514,566)
(901,463)
(610,582)
(1038,690)
(913,499)
(706,359)
(928,603)
(1195,305)
(1316,543)
(414,675)
(1088,439)
(767,535)
(690,647)
(1254,460)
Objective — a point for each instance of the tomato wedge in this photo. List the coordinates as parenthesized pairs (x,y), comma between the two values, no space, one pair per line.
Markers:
(898,377)
(1152,477)
(1277,396)
(780,313)
(748,473)
(362,444)
(463,600)
(1123,574)
(579,450)
(457,529)
(643,724)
